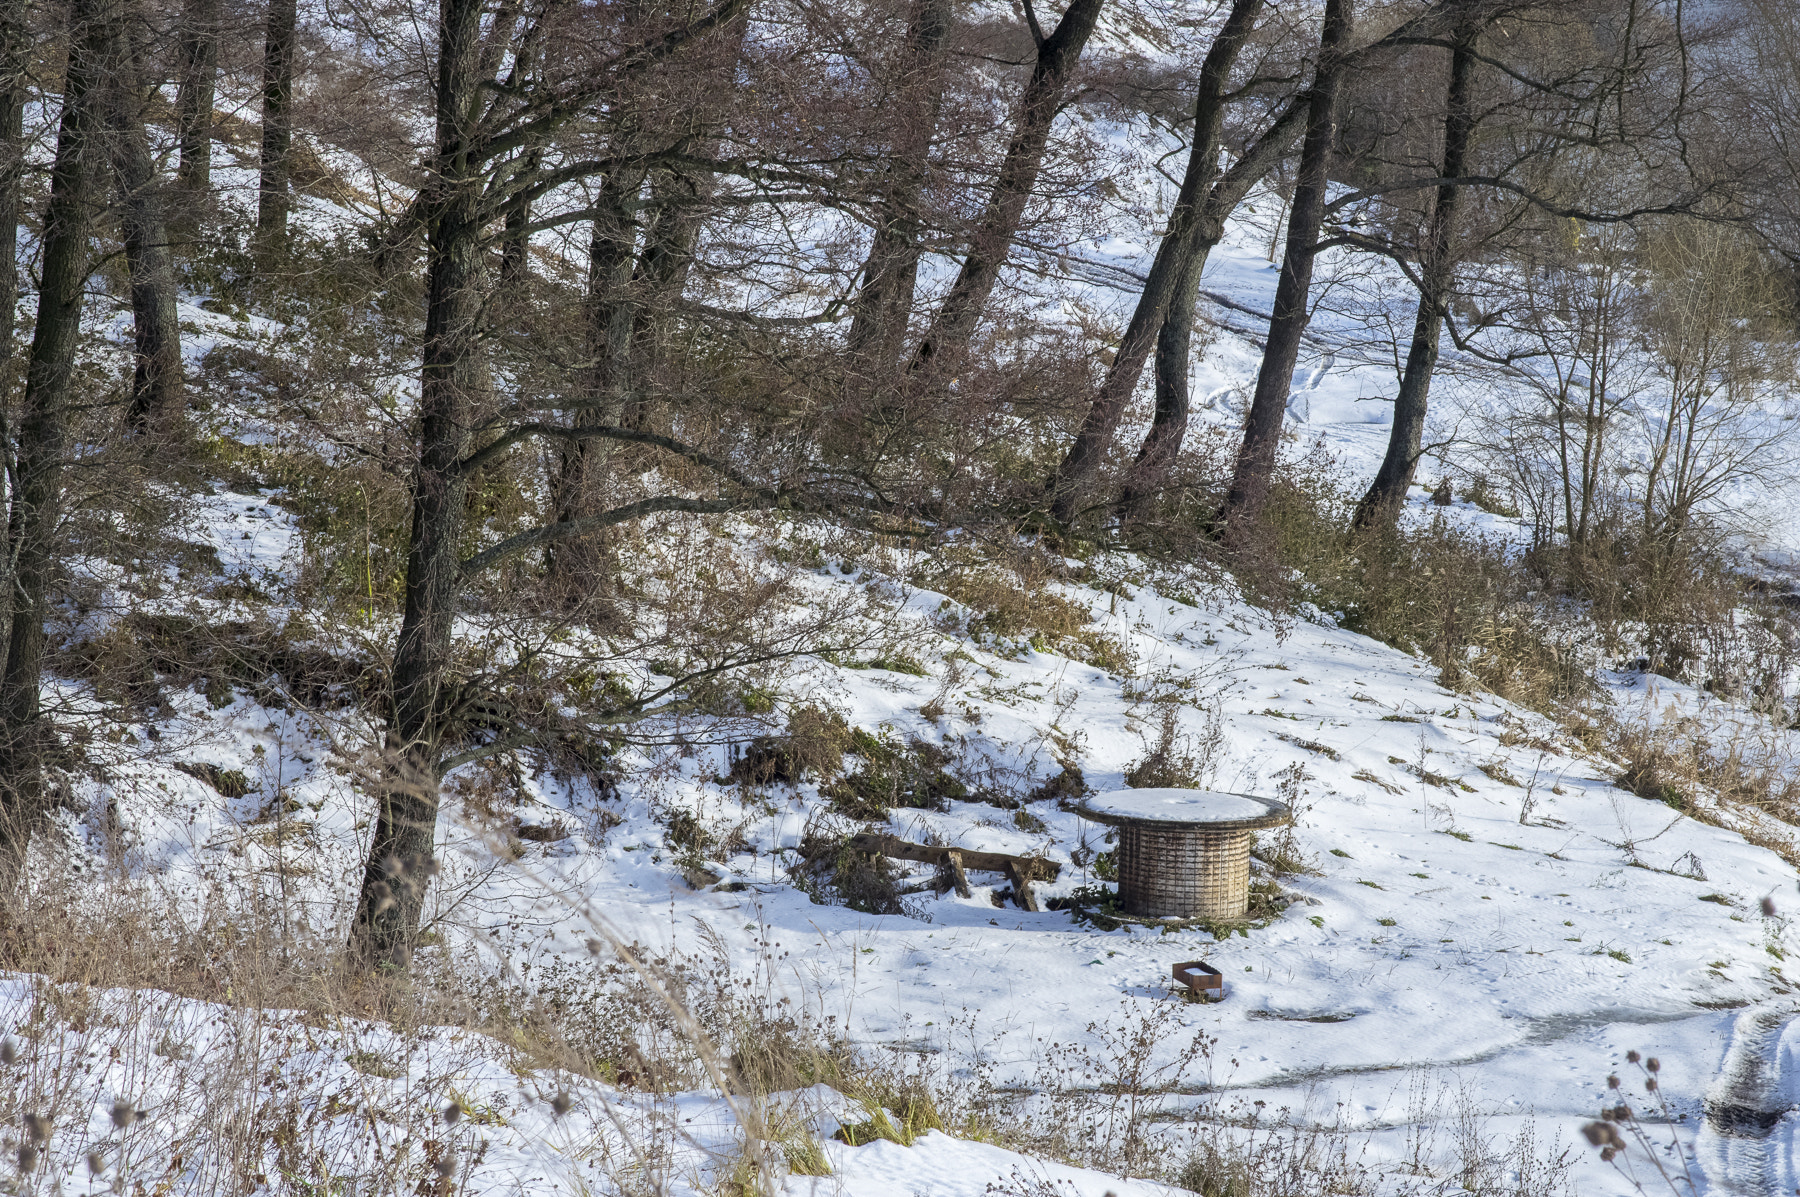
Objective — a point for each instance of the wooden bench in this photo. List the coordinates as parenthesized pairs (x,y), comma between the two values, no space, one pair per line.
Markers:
(1020,870)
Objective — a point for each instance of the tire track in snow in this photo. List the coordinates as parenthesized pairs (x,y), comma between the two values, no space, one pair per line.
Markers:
(1737,1152)
(1551,1029)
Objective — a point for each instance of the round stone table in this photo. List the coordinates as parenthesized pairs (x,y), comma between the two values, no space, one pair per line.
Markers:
(1184,854)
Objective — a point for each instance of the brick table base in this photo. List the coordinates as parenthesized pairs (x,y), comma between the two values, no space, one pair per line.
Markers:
(1181,872)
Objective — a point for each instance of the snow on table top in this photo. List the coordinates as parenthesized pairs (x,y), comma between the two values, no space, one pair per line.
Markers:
(1179,806)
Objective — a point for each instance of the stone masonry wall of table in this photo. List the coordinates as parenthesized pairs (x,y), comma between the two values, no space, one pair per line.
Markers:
(1174,872)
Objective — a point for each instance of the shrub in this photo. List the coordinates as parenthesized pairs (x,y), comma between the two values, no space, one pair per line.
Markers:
(813,748)
(1714,772)
(832,873)
(1067,785)
(1174,759)
(891,774)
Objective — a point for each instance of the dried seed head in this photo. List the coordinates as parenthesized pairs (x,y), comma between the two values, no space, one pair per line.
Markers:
(95,1164)
(1614,1137)
(1607,1153)
(1632,1057)
(445,1167)
(1768,908)
(1612,1082)
(1606,1114)
(122,1114)
(594,946)
(1594,1133)
(1650,1085)
(9,1055)
(38,1127)
(1621,1113)
(452,1112)
(27,1158)
(1653,1064)
(562,1103)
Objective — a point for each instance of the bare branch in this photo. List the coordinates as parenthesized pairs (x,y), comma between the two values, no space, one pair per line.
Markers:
(523,542)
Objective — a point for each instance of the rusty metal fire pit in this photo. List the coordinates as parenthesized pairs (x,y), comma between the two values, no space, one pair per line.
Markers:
(1184,854)
(1200,977)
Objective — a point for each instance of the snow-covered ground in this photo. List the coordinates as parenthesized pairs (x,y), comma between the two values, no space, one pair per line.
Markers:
(1490,923)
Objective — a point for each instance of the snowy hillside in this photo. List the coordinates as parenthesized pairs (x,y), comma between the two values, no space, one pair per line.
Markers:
(1472,923)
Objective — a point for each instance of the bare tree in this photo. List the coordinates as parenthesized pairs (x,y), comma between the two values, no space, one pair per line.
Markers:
(42,433)
(1711,418)
(606,322)
(1387,492)
(891,271)
(14,46)
(515,242)
(1437,25)
(1754,60)
(1182,242)
(1568,329)
(644,225)
(275,166)
(199,67)
(960,311)
(1249,491)
(478,128)
(157,382)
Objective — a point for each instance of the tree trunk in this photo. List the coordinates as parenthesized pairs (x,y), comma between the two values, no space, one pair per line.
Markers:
(957,316)
(1174,340)
(574,564)
(1168,427)
(195,96)
(272,200)
(891,271)
(678,201)
(156,390)
(14,43)
(1250,481)
(1381,505)
(1172,259)
(631,295)
(401,861)
(42,434)
(515,243)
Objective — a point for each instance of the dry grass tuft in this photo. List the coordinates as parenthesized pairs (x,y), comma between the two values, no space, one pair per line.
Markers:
(1719,771)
